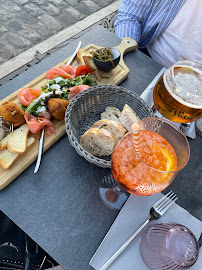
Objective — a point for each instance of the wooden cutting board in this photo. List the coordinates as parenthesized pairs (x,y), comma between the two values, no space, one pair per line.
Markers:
(115,76)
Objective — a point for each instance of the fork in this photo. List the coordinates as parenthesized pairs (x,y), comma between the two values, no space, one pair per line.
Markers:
(157,211)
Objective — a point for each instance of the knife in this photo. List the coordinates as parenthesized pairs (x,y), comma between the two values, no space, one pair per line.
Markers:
(40,152)
(42,134)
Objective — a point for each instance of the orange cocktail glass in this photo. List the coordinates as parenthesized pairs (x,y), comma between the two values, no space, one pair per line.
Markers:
(164,151)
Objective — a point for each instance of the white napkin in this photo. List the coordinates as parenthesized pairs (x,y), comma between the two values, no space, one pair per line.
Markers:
(147,96)
(133,214)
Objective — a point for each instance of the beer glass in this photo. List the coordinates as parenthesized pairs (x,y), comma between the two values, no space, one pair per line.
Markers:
(178,92)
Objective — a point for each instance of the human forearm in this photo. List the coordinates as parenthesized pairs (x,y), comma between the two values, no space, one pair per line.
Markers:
(128,29)
(130,17)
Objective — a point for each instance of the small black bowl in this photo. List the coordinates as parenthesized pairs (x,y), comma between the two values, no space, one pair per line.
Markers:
(107,65)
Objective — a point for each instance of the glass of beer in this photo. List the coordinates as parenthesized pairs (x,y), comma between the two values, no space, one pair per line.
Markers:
(178,92)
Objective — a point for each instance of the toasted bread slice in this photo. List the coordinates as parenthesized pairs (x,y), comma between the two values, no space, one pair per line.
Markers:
(89,62)
(98,142)
(16,141)
(80,54)
(85,58)
(7,158)
(128,117)
(114,127)
(3,143)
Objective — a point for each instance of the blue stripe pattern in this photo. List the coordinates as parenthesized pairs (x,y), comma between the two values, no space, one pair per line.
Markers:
(144,20)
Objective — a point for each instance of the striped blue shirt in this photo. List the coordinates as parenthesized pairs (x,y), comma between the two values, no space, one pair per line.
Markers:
(144,20)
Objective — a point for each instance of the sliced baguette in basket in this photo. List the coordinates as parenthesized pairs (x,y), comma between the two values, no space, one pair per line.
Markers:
(114,127)
(7,158)
(98,142)
(16,141)
(128,117)
(111,113)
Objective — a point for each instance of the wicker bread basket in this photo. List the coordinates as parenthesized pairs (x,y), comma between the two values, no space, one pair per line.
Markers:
(86,107)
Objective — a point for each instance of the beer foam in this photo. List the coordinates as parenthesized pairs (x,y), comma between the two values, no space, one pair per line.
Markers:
(188,88)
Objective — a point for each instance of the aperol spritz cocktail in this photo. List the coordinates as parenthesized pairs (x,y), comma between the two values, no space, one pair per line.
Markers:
(164,151)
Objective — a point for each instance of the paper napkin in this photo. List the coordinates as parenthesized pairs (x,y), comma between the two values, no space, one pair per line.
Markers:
(133,214)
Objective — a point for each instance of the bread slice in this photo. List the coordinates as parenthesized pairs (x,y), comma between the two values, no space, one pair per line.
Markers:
(128,117)
(80,54)
(7,158)
(3,143)
(16,141)
(98,142)
(85,58)
(111,113)
(114,127)
(89,62)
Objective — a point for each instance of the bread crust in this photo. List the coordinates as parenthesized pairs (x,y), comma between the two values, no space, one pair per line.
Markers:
(16,141)
(80,54)
(114,127)
(7,158)
(98,142)
(89,62)
(128,117)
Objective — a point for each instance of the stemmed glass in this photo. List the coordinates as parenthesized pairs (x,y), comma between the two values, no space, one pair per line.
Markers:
(133,174)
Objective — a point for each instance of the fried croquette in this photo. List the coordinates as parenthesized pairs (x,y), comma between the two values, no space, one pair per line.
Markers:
(57,107)
(12,113)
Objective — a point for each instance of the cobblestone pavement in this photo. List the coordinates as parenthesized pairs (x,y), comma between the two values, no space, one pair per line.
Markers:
(25,23)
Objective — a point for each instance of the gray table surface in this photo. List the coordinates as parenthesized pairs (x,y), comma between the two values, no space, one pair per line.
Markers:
(59,207)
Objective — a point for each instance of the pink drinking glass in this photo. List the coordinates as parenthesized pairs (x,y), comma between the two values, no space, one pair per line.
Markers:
(168,246)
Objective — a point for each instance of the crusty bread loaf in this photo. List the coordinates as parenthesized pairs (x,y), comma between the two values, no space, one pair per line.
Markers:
(7,158)
(128,117)
(111,113)
(16,141)
(80,54)
(98,142)
(114,127)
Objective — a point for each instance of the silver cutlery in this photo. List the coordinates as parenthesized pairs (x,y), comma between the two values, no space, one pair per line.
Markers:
(42,134)
(157,211)
(40,151)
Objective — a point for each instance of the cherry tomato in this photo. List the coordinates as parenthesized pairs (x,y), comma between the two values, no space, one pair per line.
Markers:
(82,70)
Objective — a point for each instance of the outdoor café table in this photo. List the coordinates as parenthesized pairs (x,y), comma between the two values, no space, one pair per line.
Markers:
(59,207)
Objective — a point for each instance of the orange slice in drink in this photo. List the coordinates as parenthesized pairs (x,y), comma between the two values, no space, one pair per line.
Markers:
(170,162)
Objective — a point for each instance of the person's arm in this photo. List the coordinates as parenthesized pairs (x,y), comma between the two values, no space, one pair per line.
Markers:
(128,22)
